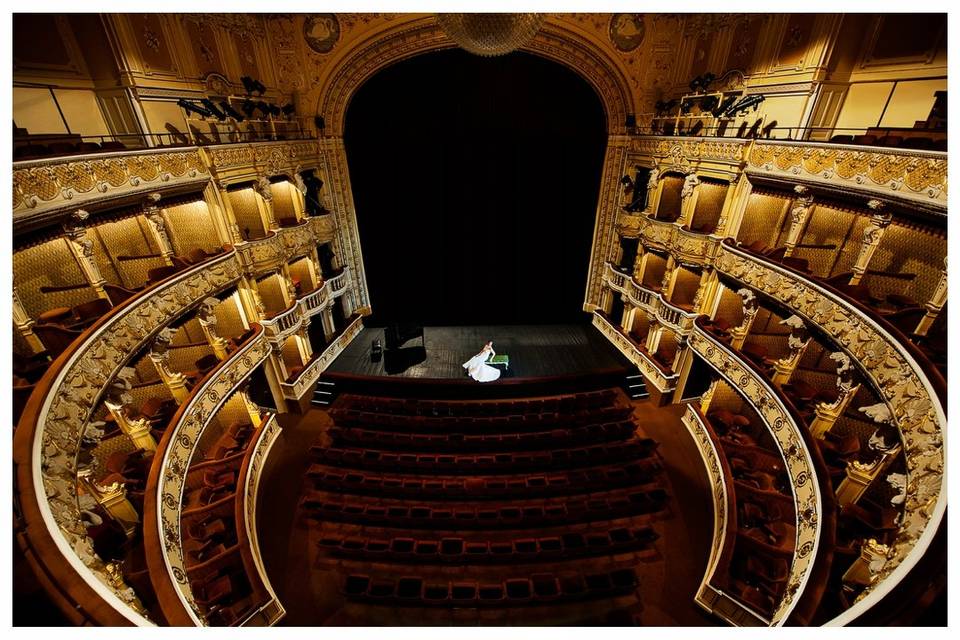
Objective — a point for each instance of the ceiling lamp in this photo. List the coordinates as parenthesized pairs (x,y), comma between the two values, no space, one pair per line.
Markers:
(490,34)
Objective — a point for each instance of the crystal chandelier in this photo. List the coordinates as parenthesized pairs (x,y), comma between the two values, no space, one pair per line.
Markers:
(490,34)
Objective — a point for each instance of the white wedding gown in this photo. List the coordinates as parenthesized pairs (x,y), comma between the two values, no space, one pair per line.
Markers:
(479,370)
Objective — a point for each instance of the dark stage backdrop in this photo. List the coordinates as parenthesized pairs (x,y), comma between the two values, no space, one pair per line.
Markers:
(476,183)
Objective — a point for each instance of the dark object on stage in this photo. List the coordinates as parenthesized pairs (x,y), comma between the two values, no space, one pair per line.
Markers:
(376,351)
(397,334)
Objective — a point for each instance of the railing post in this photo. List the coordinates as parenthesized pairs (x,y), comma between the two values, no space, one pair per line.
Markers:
(628,313)
(872,234)
(751,306)
(707,397)
(159,226)
(82,248)
(160,356)
(935,304)
(23,323)
(654,332)
(828,412)
(798,342)
(860,475)
(865,569)
(113,499)
(799,215)
(688,199)
(118,402)
(207,318)
(265,202)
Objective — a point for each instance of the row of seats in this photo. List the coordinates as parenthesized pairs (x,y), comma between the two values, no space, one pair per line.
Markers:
(457,550)
(484,424)
(570,403)
(492,442)
(483,488)
(489,463)
(423,515)
(537,588)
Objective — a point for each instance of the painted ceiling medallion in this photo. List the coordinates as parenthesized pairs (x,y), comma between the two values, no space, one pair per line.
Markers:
(627,31)
(321,32)
(490,34)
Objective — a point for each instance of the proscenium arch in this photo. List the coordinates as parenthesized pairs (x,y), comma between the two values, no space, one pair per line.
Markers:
(422,35)
(555,42)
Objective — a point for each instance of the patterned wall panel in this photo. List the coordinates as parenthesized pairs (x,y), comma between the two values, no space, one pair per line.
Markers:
(271,293)
(765,211)
(828,225)
(190,226)
(244,203)
(669,206)
(50,264)
(710,197)
(908,249)
(283,206)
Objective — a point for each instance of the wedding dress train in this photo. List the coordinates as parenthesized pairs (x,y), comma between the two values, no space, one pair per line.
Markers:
(478,369)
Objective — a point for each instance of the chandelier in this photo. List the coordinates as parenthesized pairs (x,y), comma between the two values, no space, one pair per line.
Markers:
(490,34)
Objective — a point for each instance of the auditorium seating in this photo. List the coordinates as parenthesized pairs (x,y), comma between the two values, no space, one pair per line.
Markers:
(555,487)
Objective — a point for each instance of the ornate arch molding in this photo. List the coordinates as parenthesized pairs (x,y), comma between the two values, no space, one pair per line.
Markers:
(422,35)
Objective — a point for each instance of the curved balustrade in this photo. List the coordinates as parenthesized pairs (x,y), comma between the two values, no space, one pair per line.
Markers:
(724,513)
(909,384)
(788,434)
(916,176)
(289,321)
(246,514)
(280,246)
(163,503)
(295,389)
(55,422)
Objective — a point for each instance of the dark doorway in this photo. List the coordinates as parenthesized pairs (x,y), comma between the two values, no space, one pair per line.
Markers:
(476,183)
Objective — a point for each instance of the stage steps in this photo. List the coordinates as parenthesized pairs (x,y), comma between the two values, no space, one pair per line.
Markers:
(324,394)
(636,387)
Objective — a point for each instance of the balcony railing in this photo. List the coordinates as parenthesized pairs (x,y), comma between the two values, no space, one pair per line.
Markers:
(166,486)
(295,389)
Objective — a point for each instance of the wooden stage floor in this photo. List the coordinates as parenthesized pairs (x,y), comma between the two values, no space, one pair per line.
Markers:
(536,351)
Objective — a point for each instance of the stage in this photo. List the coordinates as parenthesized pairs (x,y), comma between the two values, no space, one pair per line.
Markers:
(536,351)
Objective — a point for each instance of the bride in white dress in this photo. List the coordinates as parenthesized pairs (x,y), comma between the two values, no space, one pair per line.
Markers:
(477,367)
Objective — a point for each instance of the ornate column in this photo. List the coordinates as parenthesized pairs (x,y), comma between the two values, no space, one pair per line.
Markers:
(734,206)
(704,299)
(653,191)
(218,197)
(207,318)
(326,319)
(23,323)
(218,214)
(250,298)
(118,401)
(750,308)
(299,200)
(872,234)
(828,412)
(799,215)
(606,298)
(151,211)
(276,373)
(160,356)
(688,199)
(265,202)
(253,410)
(629,311)
(798,342)
(865,569)
(707,397)
(289,289)
(113,498)
(934,304)
(669,273)
(654,332)
(682,363)
(82,248)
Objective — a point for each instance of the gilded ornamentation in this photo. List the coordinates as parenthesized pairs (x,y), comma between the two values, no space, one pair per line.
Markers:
(311,373)
(200,409)
(909,402)
(799,466)
(43,186)
(87,373)
(909,175)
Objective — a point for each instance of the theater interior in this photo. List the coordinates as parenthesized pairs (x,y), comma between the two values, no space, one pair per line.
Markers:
(251,253)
